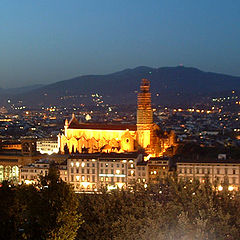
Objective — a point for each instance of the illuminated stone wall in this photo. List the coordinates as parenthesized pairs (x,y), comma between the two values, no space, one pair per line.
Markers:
(98,140)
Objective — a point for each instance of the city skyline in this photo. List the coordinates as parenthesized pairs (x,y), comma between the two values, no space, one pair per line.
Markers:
(45,42)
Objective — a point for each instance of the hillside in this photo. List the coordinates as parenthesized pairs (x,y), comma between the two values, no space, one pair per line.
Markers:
(168,85)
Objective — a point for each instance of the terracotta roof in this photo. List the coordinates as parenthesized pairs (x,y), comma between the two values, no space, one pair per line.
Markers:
(103,126)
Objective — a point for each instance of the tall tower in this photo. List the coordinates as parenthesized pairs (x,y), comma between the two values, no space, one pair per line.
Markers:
(144,115)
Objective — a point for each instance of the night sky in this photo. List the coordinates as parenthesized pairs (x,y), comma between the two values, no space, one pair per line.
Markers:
(46,41)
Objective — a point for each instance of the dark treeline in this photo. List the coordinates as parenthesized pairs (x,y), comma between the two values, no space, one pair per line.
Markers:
(167,211)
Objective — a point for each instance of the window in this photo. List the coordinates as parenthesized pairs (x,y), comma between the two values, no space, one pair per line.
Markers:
(93,178)
(93,164)
(101,165)
(106,171)
(197,170)
(234,180)
(111,171)
(72,170)
(122,165)
(234,171)
(87,164)
(185,170)
(88,171)
(218,171)
(208,170)
(101,171)
(226,171)
(71,178)
(117,165)
(93,171)
(190,170)
(122,171)
(82,170)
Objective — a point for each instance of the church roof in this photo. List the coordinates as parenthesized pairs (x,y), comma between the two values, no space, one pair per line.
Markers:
(102,126)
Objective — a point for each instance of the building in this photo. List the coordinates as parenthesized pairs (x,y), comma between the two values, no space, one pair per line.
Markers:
(119,138)
(90,172)
(14,155)
(219,172)
(31,173)
(158,169)
(47,146)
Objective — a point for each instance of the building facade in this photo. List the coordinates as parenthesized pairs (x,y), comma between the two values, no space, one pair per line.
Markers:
(91,172)
(219,172)
(47,146)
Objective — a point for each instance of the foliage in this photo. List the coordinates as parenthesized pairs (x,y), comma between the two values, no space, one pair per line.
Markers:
(172,209)
(49,211)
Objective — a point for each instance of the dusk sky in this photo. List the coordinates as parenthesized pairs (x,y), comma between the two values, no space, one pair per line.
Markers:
(46,41)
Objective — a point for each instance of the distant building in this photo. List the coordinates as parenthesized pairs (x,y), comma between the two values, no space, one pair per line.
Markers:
(158,169)
(47,146)
(30,174)
(90,172)
(119,138)
(219,171)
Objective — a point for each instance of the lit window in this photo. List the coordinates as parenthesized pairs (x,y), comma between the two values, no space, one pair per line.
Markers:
(72,164)
(83,164)
(118,171)
(77,164)
(77,178)
(83,178)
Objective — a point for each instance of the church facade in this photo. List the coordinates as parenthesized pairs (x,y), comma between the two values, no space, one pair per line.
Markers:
(101,137)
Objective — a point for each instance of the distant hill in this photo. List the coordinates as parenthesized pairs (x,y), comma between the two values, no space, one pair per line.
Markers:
(168,85)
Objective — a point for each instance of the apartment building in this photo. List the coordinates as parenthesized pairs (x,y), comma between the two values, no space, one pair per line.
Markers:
(219,171)
(90,172)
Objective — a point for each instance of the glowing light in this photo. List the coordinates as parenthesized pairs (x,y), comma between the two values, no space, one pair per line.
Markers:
(85,184)
(118,171)
(120,185)
(220,188)
(29,182)
(77,164)
(83,164)
(230,188)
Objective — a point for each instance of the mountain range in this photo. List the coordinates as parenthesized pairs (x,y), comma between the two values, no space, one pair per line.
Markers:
(169,85)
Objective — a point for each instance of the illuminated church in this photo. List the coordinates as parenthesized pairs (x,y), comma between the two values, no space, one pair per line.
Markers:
(101,137)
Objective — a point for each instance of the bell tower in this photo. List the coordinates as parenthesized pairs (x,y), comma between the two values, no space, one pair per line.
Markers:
(144,115)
